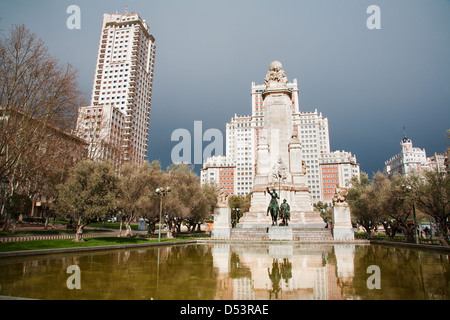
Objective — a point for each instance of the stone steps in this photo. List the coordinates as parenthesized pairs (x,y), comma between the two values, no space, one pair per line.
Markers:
(250,233)
(298,234)
(312,234)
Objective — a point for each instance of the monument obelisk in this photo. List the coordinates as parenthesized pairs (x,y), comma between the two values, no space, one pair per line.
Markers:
(279,159)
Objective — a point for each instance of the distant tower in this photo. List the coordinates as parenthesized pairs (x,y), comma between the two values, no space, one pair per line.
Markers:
(410,159)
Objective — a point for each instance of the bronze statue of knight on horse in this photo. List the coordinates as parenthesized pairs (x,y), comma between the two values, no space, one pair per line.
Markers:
(273,206)
(278,212)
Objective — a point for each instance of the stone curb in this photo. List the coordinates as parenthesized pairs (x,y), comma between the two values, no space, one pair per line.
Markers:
(137,245)
(411,245)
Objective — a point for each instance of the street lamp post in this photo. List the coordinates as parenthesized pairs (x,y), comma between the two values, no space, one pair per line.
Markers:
(162,193)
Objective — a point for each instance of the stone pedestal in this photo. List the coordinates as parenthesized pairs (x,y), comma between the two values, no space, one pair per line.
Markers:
(342,225)
(222,223)
(280,164)
(280,233)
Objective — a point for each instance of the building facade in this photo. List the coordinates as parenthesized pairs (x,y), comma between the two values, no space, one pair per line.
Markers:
(219,170)
(413,160)
(102,129)
(123,84)
(336,170)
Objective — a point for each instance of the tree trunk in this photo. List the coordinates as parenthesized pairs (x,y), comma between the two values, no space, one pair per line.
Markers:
(409,234)
(120,229)
(442,241)
(6,225)
(169,234)
(443,238)
(368,231)
(14,224)
(128,232)
(151,228)
(79,232)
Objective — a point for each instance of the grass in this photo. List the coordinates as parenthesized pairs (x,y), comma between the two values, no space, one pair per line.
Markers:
(68,243)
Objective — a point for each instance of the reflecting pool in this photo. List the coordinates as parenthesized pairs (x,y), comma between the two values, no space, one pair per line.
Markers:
(233,271)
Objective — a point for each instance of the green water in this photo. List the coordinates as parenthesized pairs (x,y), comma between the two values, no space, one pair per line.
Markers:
(233,271)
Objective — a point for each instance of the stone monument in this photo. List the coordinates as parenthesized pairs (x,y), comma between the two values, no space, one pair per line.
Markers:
(279,161)
(222,217)
(342,224)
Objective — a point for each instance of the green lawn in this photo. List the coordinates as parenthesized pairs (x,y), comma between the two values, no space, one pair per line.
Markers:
(68,243)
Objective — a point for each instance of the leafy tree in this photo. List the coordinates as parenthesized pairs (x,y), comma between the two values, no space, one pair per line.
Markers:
(240,202)
(184,197)
(187,202)
(365,199)
(207,201)
(89,193)
(16,205)
(399,206)
(325,211)
(433,198)
(156,179)
(134,196)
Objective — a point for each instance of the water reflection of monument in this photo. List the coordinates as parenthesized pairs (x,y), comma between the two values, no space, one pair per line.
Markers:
(283,271)
(279,271)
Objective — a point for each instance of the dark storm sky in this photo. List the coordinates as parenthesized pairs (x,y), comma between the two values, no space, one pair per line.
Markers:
(368,83)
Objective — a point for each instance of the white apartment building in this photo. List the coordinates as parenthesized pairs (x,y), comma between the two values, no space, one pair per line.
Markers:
(241,151)
(124,78)
(102,128)
(336,170)
(412,159)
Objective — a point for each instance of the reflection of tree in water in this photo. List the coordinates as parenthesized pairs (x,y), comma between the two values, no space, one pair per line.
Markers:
(404,273)
(237,269)
(279,271)
(187,271)
(324,259)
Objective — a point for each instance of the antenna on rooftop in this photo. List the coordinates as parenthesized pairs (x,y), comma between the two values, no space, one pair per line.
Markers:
(126,10)
(404,132)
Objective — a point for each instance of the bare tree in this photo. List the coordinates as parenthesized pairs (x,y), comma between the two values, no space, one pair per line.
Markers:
(35,92)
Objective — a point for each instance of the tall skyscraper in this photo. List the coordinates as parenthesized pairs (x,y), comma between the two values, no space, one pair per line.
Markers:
(123,84)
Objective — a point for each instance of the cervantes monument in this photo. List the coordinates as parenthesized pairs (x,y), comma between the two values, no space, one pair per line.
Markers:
(279,163)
